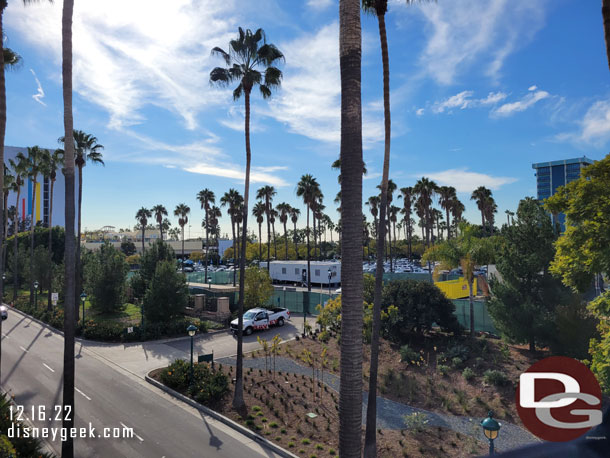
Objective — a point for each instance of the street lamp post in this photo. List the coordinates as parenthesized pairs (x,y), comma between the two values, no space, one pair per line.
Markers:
(192,329)
(491,428)
(83,298)
(3,280)
(330,276)
(36,293)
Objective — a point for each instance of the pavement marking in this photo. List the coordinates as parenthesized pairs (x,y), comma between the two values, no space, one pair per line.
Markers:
(48,367)
(24,349)
(125,426)
(5,336)
(88,398)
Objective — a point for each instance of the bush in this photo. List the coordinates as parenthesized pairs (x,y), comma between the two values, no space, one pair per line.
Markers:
(443,369)
(415,421)
(105,273)
(103,331)
(468,374)
(208,388)
(456,362)
(407,354)
(458,351)
(167,294)
(419,305)
(495,377)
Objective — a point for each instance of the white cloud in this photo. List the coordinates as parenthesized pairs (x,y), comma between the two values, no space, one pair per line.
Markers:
(128,55)
(203,157)
(420,112)
(594,128)
(319,4)
(466,181)
(526,102)
(317,113)
(473,33)
(39,92)
(464,100)
(532,88)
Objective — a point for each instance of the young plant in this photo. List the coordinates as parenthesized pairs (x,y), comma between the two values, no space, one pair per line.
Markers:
(265,347)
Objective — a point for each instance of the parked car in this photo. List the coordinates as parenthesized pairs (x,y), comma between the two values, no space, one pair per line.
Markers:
(3,312)
(260,319)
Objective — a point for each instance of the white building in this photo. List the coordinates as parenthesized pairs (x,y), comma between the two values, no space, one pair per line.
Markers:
(296,272)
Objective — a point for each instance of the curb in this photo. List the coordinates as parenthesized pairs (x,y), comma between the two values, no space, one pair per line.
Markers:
(227,421)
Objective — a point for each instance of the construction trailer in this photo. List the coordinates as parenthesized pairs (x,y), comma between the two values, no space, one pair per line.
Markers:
(295,272)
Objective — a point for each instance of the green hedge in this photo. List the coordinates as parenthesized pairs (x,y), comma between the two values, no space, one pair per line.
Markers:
(209,385)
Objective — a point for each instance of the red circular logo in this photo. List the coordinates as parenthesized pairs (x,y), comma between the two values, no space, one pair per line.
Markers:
(559,399)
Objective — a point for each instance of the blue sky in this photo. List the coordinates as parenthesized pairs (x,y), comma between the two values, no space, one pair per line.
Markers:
(481,89)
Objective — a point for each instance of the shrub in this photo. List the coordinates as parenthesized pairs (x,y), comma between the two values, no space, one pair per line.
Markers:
(305,441)
(290,444)
(208,386)
(468,374)
(456,362)
(332,451)
(273,424)
(256,408)
(415,421)
(458,351)
(443,369)
(407,354)
(166,295)
(104,331)
(495,377)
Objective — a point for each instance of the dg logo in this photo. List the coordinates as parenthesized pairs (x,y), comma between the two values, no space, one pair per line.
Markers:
(559,399)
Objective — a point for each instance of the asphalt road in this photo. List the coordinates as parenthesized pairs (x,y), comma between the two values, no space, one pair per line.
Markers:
(109,396)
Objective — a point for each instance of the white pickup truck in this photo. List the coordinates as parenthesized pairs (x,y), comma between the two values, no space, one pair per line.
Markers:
(260,318)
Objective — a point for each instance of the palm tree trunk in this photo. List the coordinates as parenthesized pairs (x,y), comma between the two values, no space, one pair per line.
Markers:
(350,395)
(471,305)
(370,442)
(207,244)
(2,136)
(67,448)
(308,256)
(390,241)
(4,247)
(296,245)
(79,269)
(260,242)
(49,302)
(16,248)
(606,18)
(274,244)
(315,249)
(32,226)
(234,249)
(448,225)
(238,398)
(183,251)
(143,235)
(285,242)
(268,240)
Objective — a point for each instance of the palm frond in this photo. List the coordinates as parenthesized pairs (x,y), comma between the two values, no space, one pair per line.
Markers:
(273,77)
(222,53)
(268,54)
(221,76)
(238,91)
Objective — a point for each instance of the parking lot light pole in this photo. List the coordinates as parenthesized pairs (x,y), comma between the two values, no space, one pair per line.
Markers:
(491,428)
(36,293)
(83,298)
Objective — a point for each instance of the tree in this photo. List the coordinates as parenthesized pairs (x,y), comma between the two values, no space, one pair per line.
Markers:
(156,253)
(258,288)
(128,247)
(105,272)
(407,203)
(34,165)
(234,201)
(142,216)
(182,212)
(606,19)
(524,301)
(419,304)
(159,211)
(446,197)
(166,295)
(53,161)
(308,189)
(284,211)
(20,170)
(480,196)
(206,198)
(294,217)
(258,211)
(246,58)
(350,396)
(266,194)
(467,250)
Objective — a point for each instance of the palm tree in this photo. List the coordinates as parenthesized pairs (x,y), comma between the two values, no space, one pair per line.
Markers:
(247,56)
(215,213)
(425,189)
(20,169)
(480,195)
(490,210)
(294,217)
(446,195)
(407,203)
(54,161)
(233,200)
(606,19)
(273,214)
(457,209)
(8,184)
(266,194)
(35,167)
(373,204)
(308,188)
(390,187)
(284,210)
(182,212)
(258,211)
(159,211)
(350,396)
(206,198)
(142,216)
(67,447)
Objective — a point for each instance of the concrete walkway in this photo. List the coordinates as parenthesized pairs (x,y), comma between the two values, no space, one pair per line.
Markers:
(390,413)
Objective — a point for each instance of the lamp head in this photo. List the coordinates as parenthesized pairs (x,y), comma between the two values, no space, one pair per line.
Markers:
(36,284)
(83,296)
(192,329)
(490,426)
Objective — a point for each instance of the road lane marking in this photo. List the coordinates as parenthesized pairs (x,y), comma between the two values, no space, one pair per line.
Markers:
(48,367)
(88,398)
(127,427)
(24,349)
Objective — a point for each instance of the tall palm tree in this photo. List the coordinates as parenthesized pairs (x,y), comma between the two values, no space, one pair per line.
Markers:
(182,212)
(284,210)
(406,194)
(159,211)
(266,194)
(258,211)
(446,195)
(308,189)
(373,203)
(294,217)
(490,209)
(142,215)
(20,170)
(480,196)
(318,213)
(54,161)
(250,62)
(350,396)
(457,209)
(232,199)
(206,198)
(273,214)
(393,218)
(390,187)
(215,213)
(35,167)
(67,447)
(8,184)
(425,189)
